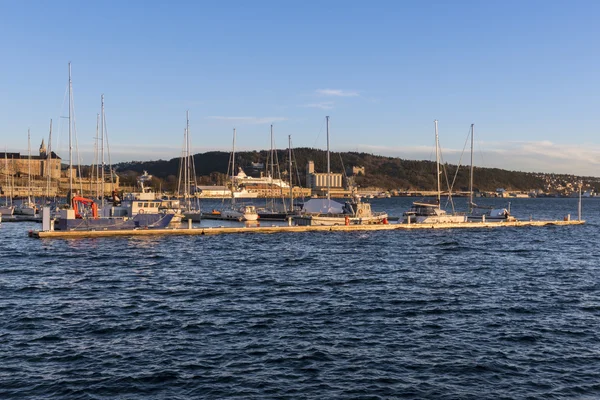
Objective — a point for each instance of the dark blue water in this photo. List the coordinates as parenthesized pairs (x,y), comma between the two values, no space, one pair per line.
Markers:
(490,313)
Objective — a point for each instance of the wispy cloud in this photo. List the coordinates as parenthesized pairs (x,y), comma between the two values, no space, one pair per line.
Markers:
(324,105)
(337,92)
(249,120)
(540,156)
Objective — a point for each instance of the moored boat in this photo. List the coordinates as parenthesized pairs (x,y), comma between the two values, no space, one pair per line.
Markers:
(329,212)
(431,213)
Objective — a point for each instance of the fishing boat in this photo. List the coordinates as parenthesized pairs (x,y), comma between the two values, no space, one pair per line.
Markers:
(84,215)
(329,212)
(430,212)
(479,212)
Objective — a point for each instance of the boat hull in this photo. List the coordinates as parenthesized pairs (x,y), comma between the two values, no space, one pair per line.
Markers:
(324,220)
(140,221)
(435,219)
(7,210)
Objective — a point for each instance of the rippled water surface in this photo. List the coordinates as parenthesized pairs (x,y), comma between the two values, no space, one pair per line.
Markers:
(489,313)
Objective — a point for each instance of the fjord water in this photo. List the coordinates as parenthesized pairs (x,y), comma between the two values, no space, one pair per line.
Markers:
(473,313)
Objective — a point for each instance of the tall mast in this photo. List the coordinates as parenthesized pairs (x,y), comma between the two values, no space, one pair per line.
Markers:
(96,177)
(187,173)
(471,174)
(102,148)
(70,141)
(272,158)
(437,162)
(29,166)
(49,161)
(328,163)
(8,180)
(233,168)
(290,169)
(271,173)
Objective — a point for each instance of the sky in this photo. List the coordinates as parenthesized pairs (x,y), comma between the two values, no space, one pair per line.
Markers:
(526,73)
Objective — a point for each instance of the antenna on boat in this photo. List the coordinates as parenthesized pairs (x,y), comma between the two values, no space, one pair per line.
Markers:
(328,164)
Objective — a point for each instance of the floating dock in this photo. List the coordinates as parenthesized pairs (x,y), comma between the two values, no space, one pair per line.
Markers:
(21,218)
(283,229)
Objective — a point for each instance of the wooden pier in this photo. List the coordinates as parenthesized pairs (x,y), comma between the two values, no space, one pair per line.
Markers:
(283,229)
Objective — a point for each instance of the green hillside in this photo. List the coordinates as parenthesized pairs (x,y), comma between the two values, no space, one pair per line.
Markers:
(385,172)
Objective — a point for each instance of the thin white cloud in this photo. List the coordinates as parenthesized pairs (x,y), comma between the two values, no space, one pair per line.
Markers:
(324,105)
(337,92)
(542,156)
(249,120)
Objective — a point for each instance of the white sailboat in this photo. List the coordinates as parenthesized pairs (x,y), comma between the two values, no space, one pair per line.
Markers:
(241,212)
(483,213)
(329,212)
(186,188)
(27,207)
(432,213)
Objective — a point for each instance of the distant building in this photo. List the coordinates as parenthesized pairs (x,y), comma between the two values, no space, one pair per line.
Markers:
(356,170)
(318,182)
(41,166)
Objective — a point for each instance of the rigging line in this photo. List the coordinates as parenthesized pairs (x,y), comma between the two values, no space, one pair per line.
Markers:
(297,172)
(445,171)
(181,163)
(112,186)
(61,118)
(460,160)
(76,143)
(281,194)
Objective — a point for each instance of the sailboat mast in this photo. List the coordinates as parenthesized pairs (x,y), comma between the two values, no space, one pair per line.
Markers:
(290,169)
(272,172)
(272,158)
(233,168)
(9,180)
(29,166)
(97,173)
(102,149)
(70,141)
(471,174)
(328,162)
(437,162)
(187,173)
(49,162)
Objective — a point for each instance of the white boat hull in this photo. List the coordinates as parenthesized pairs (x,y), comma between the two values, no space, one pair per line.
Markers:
(324,220)
(237,215)
(25,211)
(7,210)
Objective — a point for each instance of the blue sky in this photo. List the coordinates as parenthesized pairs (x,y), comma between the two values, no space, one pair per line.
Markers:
(525,72)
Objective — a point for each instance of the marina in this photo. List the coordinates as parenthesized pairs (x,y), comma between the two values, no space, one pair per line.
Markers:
(251,228)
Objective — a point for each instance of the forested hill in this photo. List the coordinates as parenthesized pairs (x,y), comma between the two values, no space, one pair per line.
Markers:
(383,172)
